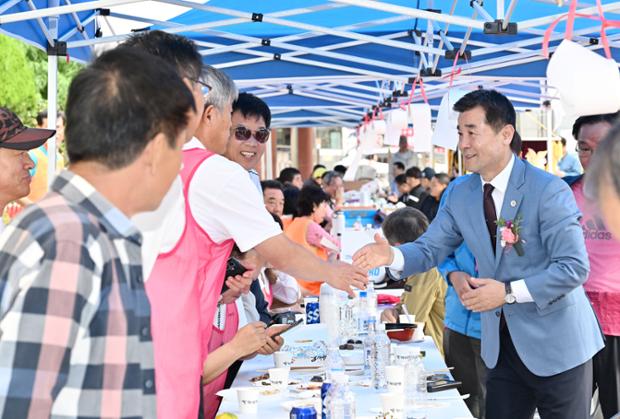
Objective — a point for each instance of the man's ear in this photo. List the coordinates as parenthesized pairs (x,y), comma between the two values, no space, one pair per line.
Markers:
(207,115)
(507,133)
(153,151)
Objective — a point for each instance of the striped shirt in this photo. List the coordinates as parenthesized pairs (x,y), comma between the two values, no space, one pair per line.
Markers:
(75,336)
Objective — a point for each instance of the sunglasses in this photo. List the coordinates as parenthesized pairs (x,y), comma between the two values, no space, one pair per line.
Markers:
(244,134)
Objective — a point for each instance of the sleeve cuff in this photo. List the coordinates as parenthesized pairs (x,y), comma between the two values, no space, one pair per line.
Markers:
(520,291)
(398,263)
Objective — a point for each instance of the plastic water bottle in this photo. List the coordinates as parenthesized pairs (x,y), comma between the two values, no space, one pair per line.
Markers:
(333,363)
(329,309)
(371,296)
(382,357)
(363,314)
(340,400)
(369,347)
(415,381)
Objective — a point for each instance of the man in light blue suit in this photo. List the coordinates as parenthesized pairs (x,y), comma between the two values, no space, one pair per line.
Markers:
(539,332)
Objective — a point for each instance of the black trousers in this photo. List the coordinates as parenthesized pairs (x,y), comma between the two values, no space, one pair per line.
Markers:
(463,353)
(513,392)
(606,367)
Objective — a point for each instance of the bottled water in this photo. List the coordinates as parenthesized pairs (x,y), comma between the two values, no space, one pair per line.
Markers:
(340,400)
(369,347)
(381,357)
(415,378)
(333,363)
(371,296)
(363,313)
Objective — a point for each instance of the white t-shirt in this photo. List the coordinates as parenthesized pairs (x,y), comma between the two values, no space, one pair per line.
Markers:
(223,201)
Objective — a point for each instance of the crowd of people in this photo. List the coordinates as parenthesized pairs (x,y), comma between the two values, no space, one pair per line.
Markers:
(158,261)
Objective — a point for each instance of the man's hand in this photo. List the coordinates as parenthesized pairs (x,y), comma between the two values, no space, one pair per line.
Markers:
(343,276)
(374,255)
(272,344)
(389,315)
(488,294)
(240,284)
(460,282)
(249,339)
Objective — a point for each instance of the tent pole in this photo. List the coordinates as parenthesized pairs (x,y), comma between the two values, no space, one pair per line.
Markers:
(52,106)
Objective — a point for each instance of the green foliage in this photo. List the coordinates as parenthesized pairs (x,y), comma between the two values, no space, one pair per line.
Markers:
(24,78)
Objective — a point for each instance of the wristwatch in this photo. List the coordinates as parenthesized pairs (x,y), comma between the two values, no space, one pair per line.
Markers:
(510,297)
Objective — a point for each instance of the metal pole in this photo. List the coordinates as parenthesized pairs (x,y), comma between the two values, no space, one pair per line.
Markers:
(61,10)
(52,107)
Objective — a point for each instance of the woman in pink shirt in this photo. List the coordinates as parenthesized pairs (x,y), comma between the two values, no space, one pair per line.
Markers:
(603,284)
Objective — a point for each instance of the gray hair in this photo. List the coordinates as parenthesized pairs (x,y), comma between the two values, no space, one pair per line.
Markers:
(223,89)
(329,176)
(605,165)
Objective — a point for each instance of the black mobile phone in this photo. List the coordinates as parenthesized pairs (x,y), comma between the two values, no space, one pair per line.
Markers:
(442,385)
(233,268)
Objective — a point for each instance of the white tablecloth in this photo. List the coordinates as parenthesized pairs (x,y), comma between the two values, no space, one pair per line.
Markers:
(367,399)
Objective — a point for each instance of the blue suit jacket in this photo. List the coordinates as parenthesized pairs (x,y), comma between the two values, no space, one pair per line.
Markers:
(556,332)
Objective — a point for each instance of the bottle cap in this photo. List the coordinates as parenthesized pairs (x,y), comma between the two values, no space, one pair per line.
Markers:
(363,294)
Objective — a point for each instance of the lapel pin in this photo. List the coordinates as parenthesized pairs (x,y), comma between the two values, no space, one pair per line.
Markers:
(513,203)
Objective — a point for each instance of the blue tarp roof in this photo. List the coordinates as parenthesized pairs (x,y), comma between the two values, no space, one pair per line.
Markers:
(318,61)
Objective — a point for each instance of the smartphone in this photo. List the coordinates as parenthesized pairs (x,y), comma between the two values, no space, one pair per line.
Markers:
(442,385)
(233,268)
(286,329)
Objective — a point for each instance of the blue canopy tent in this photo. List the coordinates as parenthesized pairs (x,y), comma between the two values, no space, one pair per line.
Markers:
(320,62)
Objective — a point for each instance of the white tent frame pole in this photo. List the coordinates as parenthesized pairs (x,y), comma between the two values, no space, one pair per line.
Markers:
(62,10)
(314,51)
(481,10)
(511,8)
(500,9)
(197,27)
(308,27)
(412,12)
(44,30)
(75,30)
(297,53)
(305,79)
(52,98)
(338,98)
(6,6)
(545,20)
(308,35)
(510,60)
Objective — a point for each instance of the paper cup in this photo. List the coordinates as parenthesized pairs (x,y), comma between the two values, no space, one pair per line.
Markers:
(278,376)
(406,355)
(419,331)
(248,399)
(403,318)
(393,404)
(395,377)
(282,359)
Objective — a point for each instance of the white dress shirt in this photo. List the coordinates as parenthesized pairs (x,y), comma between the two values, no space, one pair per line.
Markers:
(500,185)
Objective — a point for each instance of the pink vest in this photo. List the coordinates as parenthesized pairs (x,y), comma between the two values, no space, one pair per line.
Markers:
(218,338)
(183,290)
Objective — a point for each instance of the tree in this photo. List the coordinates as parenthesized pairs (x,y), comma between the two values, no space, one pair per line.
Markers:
(24,90)
(18,90)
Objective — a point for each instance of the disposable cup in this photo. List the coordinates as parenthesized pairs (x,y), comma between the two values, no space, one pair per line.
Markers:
(248,399)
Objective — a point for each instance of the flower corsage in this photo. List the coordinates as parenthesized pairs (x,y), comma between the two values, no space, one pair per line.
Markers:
(509,235)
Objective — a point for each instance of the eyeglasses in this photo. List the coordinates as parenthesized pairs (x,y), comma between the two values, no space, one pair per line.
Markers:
(243,134)
(583,149)
(205,87)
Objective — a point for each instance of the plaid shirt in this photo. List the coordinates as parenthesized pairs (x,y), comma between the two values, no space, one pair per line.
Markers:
(75,335)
